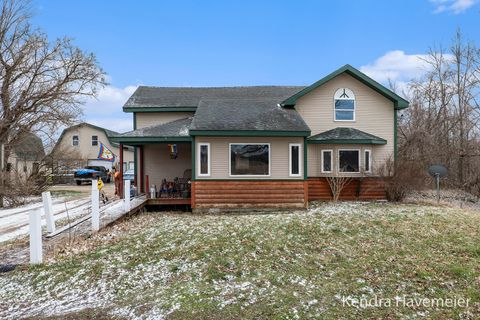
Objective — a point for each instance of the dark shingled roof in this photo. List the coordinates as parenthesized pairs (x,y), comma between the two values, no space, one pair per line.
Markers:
(165,97)
(342,135)
(177,128)
(246,114)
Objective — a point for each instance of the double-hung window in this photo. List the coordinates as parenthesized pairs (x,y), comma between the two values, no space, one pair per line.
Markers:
(94,140)
(344,105)
(294,159)
(204,159)
(249,159)
(75,141)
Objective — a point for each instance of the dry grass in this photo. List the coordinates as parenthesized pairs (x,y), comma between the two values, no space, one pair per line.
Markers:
(284,266)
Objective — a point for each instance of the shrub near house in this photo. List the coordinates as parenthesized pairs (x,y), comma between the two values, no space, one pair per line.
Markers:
(267,146)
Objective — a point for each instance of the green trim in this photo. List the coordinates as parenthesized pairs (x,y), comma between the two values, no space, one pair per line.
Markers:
(140,140)
(134,121)
(399,102)
(193,159)
(135,168)
(305,154)
(348,141)
(395,134)
(249,133)
(160,109)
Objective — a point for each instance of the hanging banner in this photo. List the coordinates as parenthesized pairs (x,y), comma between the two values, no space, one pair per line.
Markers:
(173,151)
(105,153)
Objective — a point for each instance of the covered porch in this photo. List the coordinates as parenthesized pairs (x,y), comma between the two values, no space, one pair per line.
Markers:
(163,162)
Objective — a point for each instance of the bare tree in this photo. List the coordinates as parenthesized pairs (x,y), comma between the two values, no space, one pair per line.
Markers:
(443,121)
(42,83)
(337,184)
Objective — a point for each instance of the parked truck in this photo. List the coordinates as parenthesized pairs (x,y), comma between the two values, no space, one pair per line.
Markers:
(89,173)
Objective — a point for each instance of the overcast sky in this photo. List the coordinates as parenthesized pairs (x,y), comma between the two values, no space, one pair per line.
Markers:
(225,43)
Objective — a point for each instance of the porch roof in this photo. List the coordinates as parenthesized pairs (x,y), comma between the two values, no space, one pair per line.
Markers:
(342,135)
(174,131)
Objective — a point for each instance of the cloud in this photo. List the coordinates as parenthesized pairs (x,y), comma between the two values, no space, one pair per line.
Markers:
(119,123)
(106,110)
(454,6)
(110,99)
(396,66)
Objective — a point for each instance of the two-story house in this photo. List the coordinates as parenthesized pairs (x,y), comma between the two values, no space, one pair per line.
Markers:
(266,146)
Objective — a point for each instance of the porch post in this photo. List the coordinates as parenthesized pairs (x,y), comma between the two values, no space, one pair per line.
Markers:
(305,171)
(140,164)
(120,185)
(192,186)
(135,169)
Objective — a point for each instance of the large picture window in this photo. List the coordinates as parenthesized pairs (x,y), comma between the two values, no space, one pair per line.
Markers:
(294,159)
(349,160)
(204,159)
(344,105)
(249,159)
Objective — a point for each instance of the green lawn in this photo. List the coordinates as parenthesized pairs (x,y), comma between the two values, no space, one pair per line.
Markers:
(281,266)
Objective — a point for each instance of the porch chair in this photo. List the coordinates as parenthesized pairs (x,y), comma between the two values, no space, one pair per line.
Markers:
(184,184)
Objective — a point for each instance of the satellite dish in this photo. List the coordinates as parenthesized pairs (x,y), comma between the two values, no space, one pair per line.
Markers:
(437,171)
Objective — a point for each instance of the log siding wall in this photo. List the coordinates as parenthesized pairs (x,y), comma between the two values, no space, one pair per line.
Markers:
(357,189)
(248,194)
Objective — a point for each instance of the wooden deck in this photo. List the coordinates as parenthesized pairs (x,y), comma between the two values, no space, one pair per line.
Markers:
(168,201)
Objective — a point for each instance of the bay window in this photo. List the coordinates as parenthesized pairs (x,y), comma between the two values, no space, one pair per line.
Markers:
(327,161)
(348,160)
(368,160)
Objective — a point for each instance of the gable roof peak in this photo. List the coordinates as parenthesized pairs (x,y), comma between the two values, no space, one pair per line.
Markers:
(399,102)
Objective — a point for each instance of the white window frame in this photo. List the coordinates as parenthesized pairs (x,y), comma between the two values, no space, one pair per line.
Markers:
(331,160)
(249,175)
(369,160)
(290,145)
(354,106)
(78,140)
(359,161)
(199,161)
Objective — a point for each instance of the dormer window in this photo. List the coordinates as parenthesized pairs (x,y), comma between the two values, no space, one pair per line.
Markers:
(344,105)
